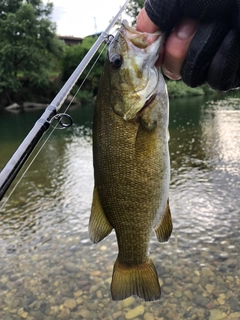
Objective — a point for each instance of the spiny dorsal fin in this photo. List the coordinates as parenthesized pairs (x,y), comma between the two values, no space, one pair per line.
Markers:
(164,229)
(99,227)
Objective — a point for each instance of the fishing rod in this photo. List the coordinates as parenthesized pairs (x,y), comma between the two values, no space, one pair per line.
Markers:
(16,162)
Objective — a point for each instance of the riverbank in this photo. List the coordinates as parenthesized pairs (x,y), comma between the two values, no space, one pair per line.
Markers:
(176,89)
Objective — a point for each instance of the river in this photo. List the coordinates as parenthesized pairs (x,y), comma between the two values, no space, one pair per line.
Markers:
(49,269)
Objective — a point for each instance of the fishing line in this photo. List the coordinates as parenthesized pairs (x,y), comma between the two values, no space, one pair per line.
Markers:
(53,129)
(98,57)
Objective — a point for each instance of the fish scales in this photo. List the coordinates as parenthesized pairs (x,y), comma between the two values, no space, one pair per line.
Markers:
(131,172)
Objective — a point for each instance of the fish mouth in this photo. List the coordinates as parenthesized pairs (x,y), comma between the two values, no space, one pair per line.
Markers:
(139,39)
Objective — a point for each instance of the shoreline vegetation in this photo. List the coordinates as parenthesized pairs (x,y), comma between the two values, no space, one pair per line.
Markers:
(176,89)
(35,62)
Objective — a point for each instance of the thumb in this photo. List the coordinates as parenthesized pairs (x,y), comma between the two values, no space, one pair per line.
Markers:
(144,24)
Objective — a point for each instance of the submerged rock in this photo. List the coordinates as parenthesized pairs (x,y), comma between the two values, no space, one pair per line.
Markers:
(13,106)
(216,314)
(131,314)
(70,304)
(34,105)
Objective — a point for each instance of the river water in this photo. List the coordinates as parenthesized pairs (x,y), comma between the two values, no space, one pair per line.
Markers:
(49,269)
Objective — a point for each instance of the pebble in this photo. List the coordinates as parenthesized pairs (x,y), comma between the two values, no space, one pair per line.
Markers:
(167,289)
(128,302)
(211,305)
(79,289)
(93,289)
(78,294)
(230,279)
(231,263)
(131,314)
(200,300)
(196,279)
(23,314)
(79,301)
(235,316)
(177,294)
(168,281)
(86,314)
(116,315)
(70,304)
(216,314)
(99,294)
(234,304)
(209,288)
(148,316)
(54,310)
(207,272)
(64,314)
(95,273)
(92,306)
(188,294)
(221,301)
(70,267)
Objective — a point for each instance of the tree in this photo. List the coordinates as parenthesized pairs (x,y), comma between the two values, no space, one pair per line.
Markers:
(134,7)
(72,57)
(28,44)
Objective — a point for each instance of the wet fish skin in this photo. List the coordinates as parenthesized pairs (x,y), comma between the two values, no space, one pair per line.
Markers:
(131,162)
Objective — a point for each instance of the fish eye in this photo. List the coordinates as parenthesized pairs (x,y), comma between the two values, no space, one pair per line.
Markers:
(116,61)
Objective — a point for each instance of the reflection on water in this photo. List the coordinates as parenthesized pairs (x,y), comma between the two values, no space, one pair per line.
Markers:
(50,270)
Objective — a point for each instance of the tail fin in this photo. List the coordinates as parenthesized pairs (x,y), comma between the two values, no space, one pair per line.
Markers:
(140,280)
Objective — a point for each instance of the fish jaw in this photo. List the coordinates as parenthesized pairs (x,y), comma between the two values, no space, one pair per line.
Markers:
(137,80)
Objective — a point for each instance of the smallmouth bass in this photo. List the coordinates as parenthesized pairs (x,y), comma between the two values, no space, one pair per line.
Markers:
(131,160)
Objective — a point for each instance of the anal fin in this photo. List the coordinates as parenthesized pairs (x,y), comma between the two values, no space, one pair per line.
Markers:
(99,227)
(164,229)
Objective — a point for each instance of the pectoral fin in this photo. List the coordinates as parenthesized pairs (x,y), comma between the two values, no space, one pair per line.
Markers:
(99,227)
(149,118)
(164,229)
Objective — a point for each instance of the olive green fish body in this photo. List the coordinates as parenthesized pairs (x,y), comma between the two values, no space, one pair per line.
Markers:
(132,173)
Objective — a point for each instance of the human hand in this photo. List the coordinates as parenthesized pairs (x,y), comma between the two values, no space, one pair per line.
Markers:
(200,48)
(176,46)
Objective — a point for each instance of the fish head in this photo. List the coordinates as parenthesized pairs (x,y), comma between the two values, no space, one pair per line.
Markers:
(133,77)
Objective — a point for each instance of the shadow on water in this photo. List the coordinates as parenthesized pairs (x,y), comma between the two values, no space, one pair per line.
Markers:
(49,269)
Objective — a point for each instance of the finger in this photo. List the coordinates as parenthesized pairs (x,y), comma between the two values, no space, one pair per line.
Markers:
(144,24)
(176,47)
(207,10)
(201,51)
(166,15)
(222,73)
(160,58)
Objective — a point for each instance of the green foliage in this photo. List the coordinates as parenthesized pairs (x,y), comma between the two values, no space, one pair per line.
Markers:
(74,55)
(133,8)
(178,89)
(28,44)
(85,97)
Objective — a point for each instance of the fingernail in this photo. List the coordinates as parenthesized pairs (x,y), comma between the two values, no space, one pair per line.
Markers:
(186,29)
(170,75)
